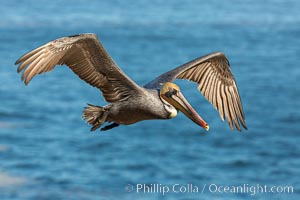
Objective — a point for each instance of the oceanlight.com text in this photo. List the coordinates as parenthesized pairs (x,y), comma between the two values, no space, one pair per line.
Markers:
(163,189)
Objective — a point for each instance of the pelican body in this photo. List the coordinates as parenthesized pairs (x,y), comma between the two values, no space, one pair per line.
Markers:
(128,102)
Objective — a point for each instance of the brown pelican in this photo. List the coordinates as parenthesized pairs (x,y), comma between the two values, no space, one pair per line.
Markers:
(130,103)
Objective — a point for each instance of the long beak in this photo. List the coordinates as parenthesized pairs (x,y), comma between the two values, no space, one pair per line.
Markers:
(179,102)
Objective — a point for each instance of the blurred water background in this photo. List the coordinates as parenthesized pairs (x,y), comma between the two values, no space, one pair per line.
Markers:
(47,151)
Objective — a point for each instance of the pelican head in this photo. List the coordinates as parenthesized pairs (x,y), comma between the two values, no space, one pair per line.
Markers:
(170,92)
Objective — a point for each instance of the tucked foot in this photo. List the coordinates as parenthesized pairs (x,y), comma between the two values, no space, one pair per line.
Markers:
(108,127)
(95,115)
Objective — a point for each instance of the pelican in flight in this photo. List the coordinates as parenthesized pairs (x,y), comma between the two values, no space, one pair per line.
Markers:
(128,102)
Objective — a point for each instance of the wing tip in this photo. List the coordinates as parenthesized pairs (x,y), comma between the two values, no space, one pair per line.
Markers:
(243,123)
(18,61)
(26,82)
(21,65)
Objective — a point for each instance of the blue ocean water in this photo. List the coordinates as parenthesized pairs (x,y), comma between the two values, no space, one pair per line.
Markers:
(47,151)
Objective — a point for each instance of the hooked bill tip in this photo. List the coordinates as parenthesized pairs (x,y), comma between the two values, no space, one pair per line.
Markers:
(206,127)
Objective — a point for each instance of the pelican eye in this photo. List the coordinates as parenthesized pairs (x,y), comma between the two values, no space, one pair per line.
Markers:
(168,94)
(171,92)
(174,92)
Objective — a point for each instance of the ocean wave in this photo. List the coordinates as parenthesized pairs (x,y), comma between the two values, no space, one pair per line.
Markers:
(3,148)
(10,180)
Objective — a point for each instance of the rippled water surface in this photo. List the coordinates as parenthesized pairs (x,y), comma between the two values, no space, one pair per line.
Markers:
(47,151)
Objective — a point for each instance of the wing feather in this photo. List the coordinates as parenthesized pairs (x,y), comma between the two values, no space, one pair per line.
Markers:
(232,109)
(87,58)
(212,90)
(203,79)
(226,107)
(208,83)
(216,83)
(24,63)
(239,112)
(212,95)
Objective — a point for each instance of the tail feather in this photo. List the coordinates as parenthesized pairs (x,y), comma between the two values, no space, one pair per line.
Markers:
(94,115)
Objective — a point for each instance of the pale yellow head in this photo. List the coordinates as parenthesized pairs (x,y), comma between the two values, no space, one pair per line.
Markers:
(170,92)
(169,87)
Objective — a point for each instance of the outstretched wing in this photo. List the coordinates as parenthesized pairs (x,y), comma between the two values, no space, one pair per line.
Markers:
(215,82)
(87,58)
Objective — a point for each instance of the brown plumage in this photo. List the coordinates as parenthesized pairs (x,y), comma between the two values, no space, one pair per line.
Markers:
(215,81)
(130,103)
(87,58)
